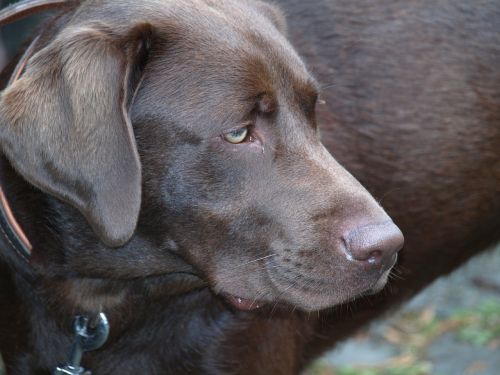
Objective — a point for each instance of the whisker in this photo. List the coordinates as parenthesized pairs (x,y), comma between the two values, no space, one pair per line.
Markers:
(258,297)
(256,260)
(253,261)
(401,269)
(229,275)
(292,284)
(395,276)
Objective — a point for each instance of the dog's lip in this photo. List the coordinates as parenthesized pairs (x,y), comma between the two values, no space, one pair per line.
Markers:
(378,285)
(242,303)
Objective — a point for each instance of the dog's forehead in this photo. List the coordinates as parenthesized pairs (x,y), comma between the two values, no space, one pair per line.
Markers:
(232,26)
(215,59)
(223,30)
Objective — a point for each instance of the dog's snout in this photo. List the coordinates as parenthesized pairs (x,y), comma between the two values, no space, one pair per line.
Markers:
(375,244)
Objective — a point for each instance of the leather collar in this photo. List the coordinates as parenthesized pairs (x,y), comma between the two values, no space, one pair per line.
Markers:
(10,230)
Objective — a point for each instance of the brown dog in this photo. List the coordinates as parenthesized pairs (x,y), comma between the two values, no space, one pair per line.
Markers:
(174,147)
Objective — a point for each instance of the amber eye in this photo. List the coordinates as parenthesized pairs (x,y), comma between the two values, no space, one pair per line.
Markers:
(236,136)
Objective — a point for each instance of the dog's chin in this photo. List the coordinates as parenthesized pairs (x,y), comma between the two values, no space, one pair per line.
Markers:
(311,295)
(323,299)
(293,300)
(296,297)
(307,298)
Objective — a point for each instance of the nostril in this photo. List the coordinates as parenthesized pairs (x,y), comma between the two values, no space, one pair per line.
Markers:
(374,244)
(374,257)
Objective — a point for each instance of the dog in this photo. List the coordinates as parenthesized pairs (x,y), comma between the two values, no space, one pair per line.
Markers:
(163,160)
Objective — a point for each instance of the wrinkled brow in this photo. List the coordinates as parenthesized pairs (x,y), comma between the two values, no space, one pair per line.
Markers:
(306,94)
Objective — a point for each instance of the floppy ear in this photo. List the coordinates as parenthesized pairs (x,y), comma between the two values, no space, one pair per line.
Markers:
(64,126)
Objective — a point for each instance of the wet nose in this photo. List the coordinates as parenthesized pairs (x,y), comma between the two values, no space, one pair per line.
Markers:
(375,244)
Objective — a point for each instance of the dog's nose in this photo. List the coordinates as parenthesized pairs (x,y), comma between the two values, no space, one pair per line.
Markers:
(375,244)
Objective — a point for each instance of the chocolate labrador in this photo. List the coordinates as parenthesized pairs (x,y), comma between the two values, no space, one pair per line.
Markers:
(163,164)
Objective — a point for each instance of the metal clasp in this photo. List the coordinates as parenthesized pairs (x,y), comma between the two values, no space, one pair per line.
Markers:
(89,335)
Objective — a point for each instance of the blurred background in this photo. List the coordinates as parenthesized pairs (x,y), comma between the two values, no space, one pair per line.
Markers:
(451,328)
(12,36)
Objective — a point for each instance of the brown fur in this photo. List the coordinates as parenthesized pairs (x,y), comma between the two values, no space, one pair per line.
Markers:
(268,220)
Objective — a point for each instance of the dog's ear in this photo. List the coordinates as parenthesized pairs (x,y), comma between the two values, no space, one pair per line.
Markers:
(273,13)
(64,125)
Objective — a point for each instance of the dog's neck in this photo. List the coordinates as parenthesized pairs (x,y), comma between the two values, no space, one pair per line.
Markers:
(139,297)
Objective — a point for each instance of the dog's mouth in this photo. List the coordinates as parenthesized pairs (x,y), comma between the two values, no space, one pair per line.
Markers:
(242,303)
(310,295)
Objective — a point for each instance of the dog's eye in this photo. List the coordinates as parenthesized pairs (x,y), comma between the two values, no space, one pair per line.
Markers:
(236,136)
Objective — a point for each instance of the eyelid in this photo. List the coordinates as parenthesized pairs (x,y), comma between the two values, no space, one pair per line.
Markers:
(226,136)
(248,125)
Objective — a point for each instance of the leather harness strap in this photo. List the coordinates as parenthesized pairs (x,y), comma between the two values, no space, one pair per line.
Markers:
(11,231)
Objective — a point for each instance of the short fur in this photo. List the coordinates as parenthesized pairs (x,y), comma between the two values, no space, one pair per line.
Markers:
(260,220)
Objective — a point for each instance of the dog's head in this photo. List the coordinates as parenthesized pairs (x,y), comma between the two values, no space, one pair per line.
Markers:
(193,123)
